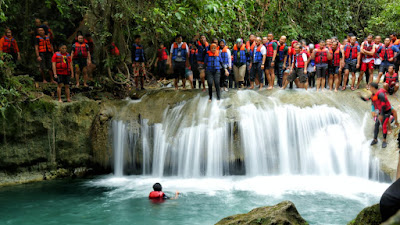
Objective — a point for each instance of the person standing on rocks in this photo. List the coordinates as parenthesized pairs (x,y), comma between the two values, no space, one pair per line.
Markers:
(179,60)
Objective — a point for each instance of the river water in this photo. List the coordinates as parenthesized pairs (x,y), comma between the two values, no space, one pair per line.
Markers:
(225,158)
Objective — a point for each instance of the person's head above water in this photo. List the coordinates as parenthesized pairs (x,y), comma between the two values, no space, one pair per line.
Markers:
(157,187)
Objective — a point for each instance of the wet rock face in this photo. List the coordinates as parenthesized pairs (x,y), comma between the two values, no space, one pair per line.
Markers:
(284,213)
(368,216)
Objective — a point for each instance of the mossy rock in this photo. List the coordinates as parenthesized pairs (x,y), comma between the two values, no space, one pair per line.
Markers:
(368,216)
(284,213)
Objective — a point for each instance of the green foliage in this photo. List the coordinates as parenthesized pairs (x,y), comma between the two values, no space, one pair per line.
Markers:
(387,21)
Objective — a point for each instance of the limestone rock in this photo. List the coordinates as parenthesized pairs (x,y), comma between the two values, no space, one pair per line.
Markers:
(368,216)
(284,213)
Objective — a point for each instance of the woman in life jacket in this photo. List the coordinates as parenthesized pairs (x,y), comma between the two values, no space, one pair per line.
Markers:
(157,195)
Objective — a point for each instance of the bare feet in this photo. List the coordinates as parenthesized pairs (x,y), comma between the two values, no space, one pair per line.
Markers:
(53,82)
(352,88)
(69,100)
(209,100)
(335,89)
(77,85)
(203,90)
(44,81)
(343,88)
(251,87)
(59,100)
(270,88)
(176,88)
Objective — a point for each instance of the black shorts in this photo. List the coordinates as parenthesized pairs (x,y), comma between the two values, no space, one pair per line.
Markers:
(46,63)
(179,70)
(268,61)
(321,71)
(80,63)
(63,79)
(298,72)
(384,68)
(351,66)
(333,70)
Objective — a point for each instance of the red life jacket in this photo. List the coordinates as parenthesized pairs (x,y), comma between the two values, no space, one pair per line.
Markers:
(381,106)
(299,59)
(44,44)
(9,45)
(63,63)
(389,52)
(80,48)
(389,79)
(377,48)
(156,195)
(270,48)
(162,54)
(114,50)
(350,48)
(336,57)
(368,47)
(321,56)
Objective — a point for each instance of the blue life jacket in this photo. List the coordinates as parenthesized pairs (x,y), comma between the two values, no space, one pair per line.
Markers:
(242,52)
(202,51)
(213,61)
(181,49)
(258,55)
(139,53)
(224,56)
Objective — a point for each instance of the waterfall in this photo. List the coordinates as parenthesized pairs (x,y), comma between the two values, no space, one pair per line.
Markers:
(251,135)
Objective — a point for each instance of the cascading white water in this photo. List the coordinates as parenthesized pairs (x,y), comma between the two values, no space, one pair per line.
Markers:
(197,138)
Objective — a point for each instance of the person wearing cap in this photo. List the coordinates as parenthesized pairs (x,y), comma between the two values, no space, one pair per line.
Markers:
(240,55)
(227,62)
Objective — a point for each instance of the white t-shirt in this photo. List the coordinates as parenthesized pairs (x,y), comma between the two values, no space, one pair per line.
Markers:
(179,52)
(304,55)
(263,50)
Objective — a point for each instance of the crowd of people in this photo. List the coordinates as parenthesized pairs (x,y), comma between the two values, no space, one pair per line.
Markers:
(248,64)
(256,62)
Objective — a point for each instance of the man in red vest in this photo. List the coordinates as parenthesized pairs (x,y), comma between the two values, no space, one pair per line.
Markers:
(391,81)
(9,45)
(63,70)
(157,195)
(44,51)
(81,58)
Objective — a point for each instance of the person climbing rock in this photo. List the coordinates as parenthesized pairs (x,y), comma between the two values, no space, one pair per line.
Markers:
(81,58)
(63,70)
(9,45)
(383,110)
(391,81)
(214,64)
(44,51)
(179,60)
(138,62)
(157,195)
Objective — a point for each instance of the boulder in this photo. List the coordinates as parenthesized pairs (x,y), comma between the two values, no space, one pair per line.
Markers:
(284,213)
(368,216)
